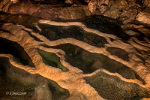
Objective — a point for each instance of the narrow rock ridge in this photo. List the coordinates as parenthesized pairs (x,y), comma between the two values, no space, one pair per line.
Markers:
(73,79)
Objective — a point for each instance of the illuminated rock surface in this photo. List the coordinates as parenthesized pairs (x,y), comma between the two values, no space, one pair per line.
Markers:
(92,58)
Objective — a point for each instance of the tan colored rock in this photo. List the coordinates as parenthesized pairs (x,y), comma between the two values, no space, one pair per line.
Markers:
(147,3)
(98,6)
(115,9)
(69,1)
(131,33)
(14,1)
(50,12)
(145,31)
(92,6)
(144,17)
(77,96)
(129,13)
(145,99)
(42,92)
(4,5)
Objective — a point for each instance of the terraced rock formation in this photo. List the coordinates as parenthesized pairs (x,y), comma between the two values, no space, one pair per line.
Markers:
(89,59)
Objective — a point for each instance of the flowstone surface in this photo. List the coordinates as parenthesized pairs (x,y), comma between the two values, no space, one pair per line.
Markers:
(79,60)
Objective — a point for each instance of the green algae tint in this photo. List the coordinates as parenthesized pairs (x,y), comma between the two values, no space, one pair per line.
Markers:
(51,59)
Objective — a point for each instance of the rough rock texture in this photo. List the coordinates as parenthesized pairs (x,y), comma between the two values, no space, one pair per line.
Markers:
(147,3)
(123,10)
(98,6)
(114,67)
(53,12)
(66,52)
(144,16)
